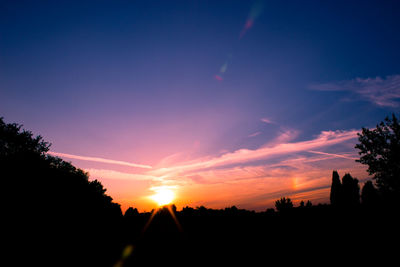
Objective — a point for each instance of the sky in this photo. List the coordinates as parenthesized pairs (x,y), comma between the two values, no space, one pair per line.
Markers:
(221,102)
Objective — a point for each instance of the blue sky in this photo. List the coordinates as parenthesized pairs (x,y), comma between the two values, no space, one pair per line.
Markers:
(156,82)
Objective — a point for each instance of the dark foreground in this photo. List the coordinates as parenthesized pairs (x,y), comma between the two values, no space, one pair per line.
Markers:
(232,236)
(319,235)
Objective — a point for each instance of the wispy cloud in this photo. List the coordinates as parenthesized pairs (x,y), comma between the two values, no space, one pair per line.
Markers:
(254,134)
(101,160)
(266,120)
(332,154)
(384,92)
(116,175)
(284,136)
(250,178)
(241,156)
(301,177)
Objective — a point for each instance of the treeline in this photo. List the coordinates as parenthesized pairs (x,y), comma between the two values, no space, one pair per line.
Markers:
(52,213)
(56,216)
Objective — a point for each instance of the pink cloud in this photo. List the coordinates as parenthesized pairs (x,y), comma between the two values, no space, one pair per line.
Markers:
(254,134)
(266,120)
(249,178)
(283,137)
(257,187)
(325,139)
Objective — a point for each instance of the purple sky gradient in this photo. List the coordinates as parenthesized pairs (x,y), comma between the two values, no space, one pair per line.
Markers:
(128,90)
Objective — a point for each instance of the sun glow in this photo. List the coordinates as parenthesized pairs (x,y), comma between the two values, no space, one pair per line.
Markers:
(163,196)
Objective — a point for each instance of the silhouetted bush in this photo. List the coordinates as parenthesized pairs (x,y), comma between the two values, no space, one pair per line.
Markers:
(131,213)
(270,211)
(369,195)
(283,204)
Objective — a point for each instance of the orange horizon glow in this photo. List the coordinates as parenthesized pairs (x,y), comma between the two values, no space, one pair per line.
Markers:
(250,179)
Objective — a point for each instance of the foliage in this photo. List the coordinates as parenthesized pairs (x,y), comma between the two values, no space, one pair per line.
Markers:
(350,190)
(336,188)
(369,194)
(58,202)
(131,212)
(14,141)
(283,204)
(380,150)
(345,193)
(31,171)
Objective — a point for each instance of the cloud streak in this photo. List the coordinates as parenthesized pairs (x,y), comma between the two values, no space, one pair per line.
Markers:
(383,92)
(266,120)
(331,154)
(325,139)
(101,160)
(116,175)
(249,178)
(254,134)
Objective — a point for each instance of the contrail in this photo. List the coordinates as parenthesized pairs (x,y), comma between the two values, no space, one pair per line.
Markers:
(102,160)
(331,154)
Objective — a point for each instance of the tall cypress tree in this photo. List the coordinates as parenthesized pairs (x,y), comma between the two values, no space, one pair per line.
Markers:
(336,189)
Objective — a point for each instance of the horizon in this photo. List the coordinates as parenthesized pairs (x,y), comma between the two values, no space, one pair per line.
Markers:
(228,103)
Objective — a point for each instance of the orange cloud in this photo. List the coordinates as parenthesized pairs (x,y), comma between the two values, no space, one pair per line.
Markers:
(246,178)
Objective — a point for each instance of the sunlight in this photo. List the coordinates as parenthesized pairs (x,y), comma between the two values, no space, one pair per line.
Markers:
(163,196)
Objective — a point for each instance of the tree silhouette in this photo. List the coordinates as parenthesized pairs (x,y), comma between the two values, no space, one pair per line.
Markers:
(380,150)
(369,194)
(283,204)
(61,204)
(345,193)
(350,190)
(131,212)
(74,219)
(336,189)
(14,141)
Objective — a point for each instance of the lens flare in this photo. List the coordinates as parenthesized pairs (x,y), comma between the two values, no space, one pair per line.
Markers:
(255,12)
(218,78)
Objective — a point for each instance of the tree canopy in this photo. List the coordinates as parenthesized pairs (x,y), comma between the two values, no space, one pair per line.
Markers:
(55,201)
(345,193)
(283,204)
(33,174)
(379,148)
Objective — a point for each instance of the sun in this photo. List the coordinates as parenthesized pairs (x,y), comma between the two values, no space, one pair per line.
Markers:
(163,196)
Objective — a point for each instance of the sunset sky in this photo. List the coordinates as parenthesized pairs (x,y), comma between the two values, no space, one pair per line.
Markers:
(222,102)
